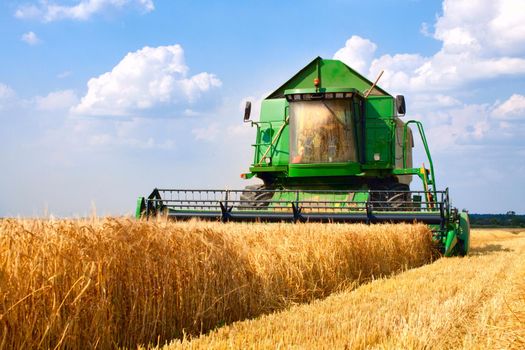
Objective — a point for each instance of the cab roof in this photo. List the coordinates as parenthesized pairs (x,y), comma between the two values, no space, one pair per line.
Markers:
(332,74)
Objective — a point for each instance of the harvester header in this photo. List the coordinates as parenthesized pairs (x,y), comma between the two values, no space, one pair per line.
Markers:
(330,147)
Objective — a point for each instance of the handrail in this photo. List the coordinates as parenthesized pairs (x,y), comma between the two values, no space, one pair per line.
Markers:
(275,138)
(427,150)
(257,145)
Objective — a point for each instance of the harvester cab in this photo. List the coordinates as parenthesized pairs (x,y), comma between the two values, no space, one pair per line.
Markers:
(330,147)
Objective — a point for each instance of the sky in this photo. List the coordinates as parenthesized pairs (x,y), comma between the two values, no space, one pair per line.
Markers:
(103,100)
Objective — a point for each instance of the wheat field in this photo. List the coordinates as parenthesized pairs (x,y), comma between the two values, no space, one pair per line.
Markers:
(120,282)
(477,302)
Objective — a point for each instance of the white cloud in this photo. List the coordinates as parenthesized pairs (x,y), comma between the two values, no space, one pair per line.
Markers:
(357,53)
(188,112)
(57,100)
(398,69)
(443,71)
(6,91)
(432,101)
(208,133)
(508,27)
(49,11)
(481,39)
(461,126)
(488,27)
(109,140)
(64,74)
(425,30)
(513,108)
(6,95)
(144,79)
(132,133)
(30,38)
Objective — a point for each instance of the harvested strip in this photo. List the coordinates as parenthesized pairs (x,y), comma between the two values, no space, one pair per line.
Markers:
(118,282)
(453,303)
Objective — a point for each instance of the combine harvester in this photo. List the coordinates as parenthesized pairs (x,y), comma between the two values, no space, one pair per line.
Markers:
(330,147)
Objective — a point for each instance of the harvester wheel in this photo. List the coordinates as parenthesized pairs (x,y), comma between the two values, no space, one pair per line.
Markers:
(464,235)
(399,198)
(252,199)
(392,197)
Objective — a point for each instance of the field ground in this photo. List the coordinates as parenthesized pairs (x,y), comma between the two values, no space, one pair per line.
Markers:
(476,302)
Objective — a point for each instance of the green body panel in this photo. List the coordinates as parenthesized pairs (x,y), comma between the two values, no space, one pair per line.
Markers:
(451,242)
(139,208)
(324,169)
(380,128)
(380,107)
(269,168)
(273,116)
(349,200)
(457,242)
(331,74)
(406,171)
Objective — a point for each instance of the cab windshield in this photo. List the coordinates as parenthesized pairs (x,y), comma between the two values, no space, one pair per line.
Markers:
(322,132)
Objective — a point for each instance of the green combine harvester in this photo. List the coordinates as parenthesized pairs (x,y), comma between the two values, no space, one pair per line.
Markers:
(330,147)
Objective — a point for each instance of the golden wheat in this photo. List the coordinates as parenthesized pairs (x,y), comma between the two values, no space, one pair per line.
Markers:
(476,302)
(120,282)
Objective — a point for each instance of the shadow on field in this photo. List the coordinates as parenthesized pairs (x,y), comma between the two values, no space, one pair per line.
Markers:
(488,249)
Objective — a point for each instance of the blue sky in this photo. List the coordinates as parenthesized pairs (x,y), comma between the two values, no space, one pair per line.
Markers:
(103,100)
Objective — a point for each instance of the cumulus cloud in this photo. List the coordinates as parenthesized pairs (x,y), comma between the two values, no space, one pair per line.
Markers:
(57,100)
(464,125)
(147,78)
(49,11)
(30,38)
(357,53)
(427,101)
(132,133)
(513,108)
(480,39)
(459,126)
(489,27)
(398,69)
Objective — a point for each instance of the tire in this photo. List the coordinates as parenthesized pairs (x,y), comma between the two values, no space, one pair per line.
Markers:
(251,199)
(392,197)
(399,198)
(464,235)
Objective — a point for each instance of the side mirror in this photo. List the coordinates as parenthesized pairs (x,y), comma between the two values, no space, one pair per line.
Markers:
(400,105)
(247,111)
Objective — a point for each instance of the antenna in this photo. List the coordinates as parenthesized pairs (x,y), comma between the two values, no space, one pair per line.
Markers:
(374,84)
